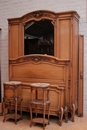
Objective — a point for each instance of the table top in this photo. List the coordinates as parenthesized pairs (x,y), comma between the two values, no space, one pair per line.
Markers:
(13,83)
(40,85)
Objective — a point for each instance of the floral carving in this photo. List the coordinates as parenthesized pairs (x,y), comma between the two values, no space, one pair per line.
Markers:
(38,14)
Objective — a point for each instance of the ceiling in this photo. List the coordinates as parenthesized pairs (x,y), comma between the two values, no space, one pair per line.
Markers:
(39,28)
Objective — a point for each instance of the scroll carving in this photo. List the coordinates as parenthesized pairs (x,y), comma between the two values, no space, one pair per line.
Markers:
(39,58)
(38,14)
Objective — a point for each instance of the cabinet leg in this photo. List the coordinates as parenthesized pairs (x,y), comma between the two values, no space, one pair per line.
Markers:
(73,112)
(44,117)
(61,116)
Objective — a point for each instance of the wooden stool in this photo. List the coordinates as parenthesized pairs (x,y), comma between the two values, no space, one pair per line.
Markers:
(45,87)
(12,100)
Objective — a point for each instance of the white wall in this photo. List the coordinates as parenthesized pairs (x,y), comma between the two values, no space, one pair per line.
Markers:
(17,8)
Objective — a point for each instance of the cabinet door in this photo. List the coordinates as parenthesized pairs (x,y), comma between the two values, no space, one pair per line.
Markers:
(81,76)
(63,38)
(15,40)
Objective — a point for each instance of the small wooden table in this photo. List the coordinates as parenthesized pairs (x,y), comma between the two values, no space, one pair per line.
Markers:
(12,100)
(45,87)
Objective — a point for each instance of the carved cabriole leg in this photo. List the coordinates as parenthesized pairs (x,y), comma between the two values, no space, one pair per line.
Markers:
(16,101)
(60,115)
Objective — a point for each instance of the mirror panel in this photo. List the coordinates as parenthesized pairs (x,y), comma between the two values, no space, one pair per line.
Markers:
(39,37)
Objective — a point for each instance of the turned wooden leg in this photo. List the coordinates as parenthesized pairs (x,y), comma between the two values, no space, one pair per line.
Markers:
(44,117)
(48,113)
(16,111)
(30,115)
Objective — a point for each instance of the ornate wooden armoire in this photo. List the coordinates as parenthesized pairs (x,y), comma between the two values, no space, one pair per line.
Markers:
(52,40)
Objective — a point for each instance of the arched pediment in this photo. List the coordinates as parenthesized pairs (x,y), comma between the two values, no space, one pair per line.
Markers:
(38,15)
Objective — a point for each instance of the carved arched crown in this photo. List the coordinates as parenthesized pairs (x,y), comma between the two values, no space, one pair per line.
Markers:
(38,15)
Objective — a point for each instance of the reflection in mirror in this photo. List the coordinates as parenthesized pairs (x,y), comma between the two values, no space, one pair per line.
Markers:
(39,37)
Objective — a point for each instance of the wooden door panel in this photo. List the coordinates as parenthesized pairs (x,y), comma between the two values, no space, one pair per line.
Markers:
(13,41)
(64,38)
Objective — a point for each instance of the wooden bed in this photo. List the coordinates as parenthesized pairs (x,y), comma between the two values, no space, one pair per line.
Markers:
(42,68)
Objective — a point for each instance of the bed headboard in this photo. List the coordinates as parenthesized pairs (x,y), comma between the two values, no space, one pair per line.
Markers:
(42,68)
(39,68)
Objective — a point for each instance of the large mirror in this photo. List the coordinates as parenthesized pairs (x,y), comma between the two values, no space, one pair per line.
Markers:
(39,37)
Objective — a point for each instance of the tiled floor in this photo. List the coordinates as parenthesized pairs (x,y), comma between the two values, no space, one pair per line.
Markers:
(79,124)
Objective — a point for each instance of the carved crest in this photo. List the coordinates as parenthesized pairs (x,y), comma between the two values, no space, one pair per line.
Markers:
(37,14)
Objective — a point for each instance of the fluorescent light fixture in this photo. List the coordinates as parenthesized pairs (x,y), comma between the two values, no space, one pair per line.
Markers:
(28,25)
